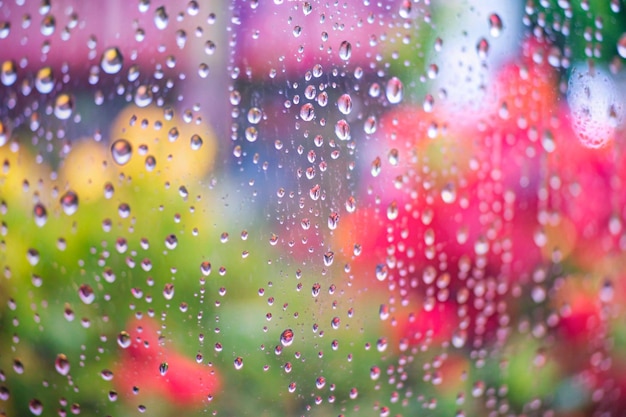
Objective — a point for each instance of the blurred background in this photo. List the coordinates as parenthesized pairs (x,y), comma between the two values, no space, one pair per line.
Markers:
(312,208)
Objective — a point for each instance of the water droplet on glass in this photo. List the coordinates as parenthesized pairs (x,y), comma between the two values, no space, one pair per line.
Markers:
(69,202)
(123,339)
(168,291)
(238,362)
(286,337)
(61,364)
(35,407)
(41,215)
(394,90)
(448,193)
(44,81)
(381,272)
(335,322)
(8,73)
(307,112)
(112,60)
(495,25)
(405,9)
(328,258)
(320,382)
(163,368)
(342,130)
(344,104)
(161,18)
(121,151)
(345,50)
(143,96)
(48,24)
(482,48)
(86,294)
(196,142)
(621,45)
(63,106)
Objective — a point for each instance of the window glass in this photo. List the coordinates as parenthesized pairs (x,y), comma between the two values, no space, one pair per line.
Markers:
(312,208)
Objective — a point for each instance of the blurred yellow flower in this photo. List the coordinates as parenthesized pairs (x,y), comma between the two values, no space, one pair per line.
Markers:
(153,141)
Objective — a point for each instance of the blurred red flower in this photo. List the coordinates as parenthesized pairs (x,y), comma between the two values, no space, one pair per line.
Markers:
(147,367)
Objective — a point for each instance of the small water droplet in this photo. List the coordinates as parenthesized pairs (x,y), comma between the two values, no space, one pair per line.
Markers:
(161,18)
(238,362)
(163,368)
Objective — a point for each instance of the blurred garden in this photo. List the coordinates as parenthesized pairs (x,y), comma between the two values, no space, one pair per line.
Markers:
(294,208)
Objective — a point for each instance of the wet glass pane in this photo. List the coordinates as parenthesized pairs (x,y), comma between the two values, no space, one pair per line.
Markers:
(303,208)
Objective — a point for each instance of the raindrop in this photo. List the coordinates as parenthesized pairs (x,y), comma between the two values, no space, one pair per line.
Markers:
(48,24)
(495,25)
(448,193)
(328,258)
(161,18)
(254,115)
(286,337)
(112,60)
(344,104)
(238,362)
(168,291)
(143,96)
(320,382)
(381,272)
(69,202)
(394,90)
(61,364)
(41,215)
(163,367)
(482,48)
(35,406)
(345,50)
(342,130)
(405,9)
(196,142)
(86,294)
(621,45)
(8,73)
(335,322)
(121,151)
(63,106)
(307,112)
(44,81)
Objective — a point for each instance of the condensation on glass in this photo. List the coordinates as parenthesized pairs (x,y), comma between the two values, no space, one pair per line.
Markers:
(333,208)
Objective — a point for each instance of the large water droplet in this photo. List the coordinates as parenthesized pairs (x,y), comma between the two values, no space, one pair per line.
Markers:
(394,90)
(495,25)
(344,104)
(61,364)
(63,106)
(69,202)
(112,60)
(345,50)
(286,337)
(121,151)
